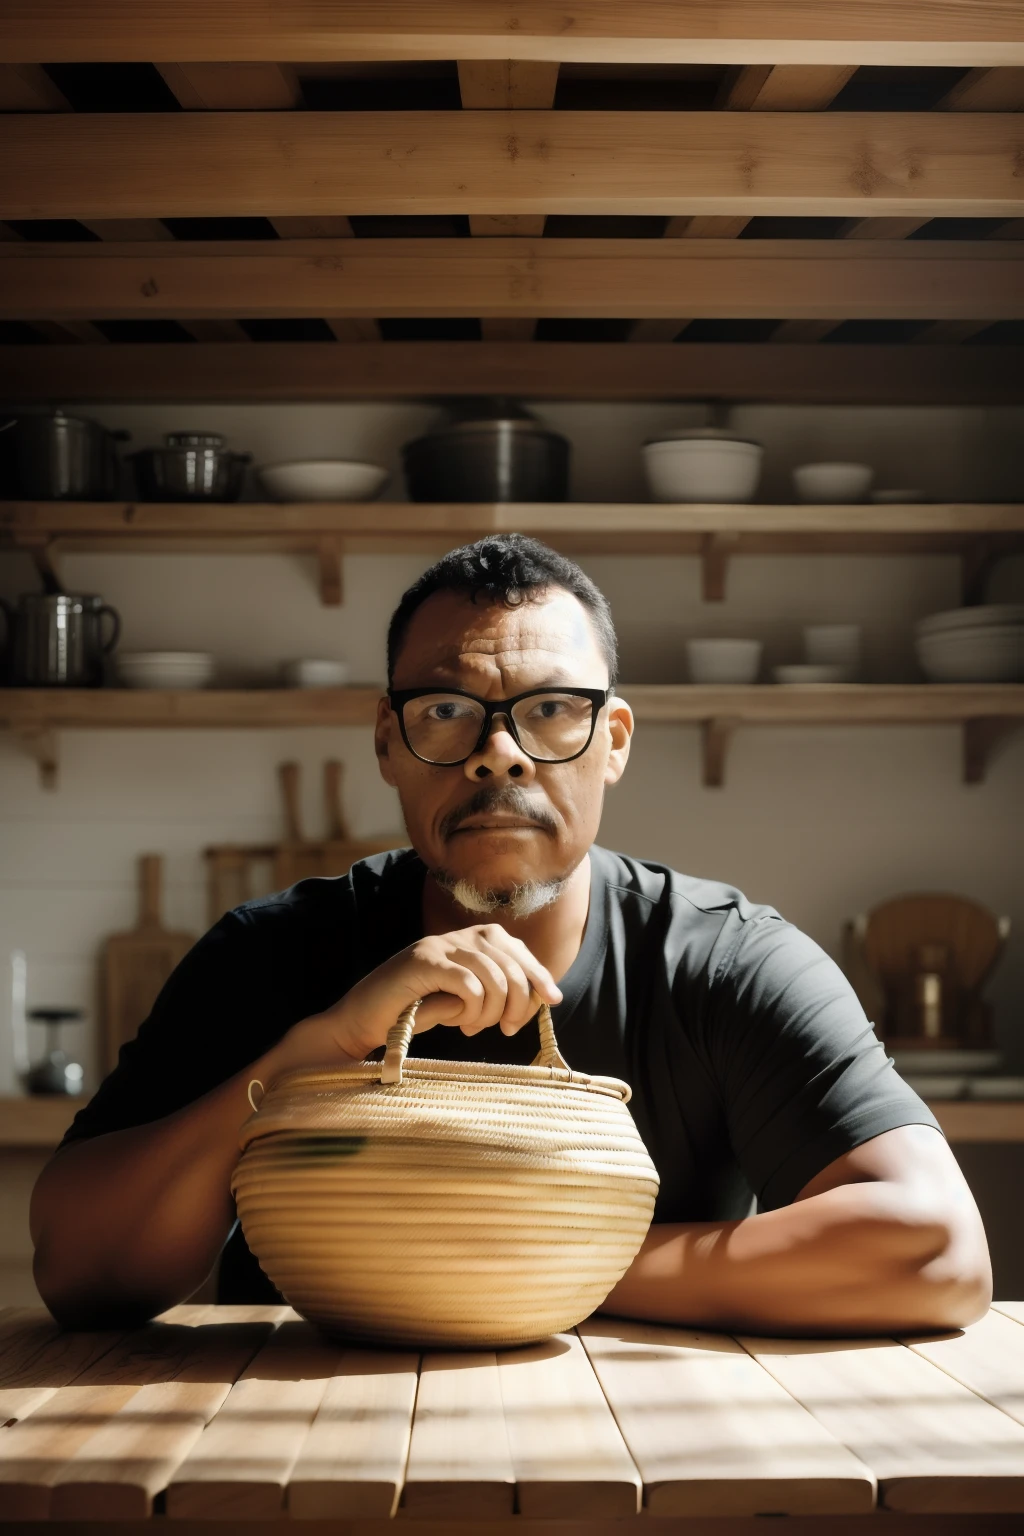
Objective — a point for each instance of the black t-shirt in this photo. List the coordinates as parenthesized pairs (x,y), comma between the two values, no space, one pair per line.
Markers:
(751,1061)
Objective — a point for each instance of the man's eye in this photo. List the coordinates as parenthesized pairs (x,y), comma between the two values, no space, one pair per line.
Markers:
(547,709)
(445,712)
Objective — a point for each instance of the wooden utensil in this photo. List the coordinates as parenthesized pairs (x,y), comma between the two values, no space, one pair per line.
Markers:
(135,965)
(302,858)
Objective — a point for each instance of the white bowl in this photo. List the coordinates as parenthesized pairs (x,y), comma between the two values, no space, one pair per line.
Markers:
(996,1088)
(702,469)
(723,661)
(165,669)
(807,672)
(983,616)
(841,483)
(312,673)
(990,655)
(323,480)
(834,645)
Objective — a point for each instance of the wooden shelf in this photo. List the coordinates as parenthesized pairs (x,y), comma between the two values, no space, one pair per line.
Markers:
(41,1122)
(987,712)
(978,532)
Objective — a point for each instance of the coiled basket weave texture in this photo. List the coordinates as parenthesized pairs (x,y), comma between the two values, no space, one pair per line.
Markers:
(445,1203)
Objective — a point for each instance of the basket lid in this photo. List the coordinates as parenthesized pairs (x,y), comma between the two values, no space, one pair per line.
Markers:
(303,1085)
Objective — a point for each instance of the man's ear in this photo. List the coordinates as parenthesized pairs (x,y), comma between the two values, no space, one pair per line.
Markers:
(620,729)
(382,740)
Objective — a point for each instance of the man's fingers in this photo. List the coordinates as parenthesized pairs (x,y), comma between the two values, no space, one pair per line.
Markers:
(538,975)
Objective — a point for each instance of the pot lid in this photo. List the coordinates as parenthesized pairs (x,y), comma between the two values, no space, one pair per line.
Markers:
(194,440)
(703,434)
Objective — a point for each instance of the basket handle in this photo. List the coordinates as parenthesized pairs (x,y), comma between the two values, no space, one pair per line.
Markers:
(400,1037)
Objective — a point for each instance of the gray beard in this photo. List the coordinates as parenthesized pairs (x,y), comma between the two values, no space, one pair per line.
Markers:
(518,902)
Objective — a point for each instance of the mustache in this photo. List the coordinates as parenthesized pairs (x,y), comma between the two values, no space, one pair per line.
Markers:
(508,797)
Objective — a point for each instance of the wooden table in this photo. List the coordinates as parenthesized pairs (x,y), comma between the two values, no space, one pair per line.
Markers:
(247,1414)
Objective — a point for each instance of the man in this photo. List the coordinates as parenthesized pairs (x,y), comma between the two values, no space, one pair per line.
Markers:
(753,1067)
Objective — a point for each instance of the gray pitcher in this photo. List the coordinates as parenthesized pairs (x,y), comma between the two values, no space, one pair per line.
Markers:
(55,640)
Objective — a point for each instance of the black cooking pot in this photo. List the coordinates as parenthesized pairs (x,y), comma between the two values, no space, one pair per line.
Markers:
(488,451)
(50,456)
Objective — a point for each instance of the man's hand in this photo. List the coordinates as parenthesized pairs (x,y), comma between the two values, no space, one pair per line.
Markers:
(469,979)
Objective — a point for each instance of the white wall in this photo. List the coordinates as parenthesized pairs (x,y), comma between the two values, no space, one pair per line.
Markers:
(821,823)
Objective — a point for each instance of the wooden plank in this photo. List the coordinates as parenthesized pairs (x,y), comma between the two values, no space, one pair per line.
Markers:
(981,1122)
(935,1447)
(712,1433)
(848,375)
(460,1466)
(986,90)
(352,1462)
(681,703)
(568,1454)
(194,164)
(917,526)
(988,1357)
(1013,1309)
(34,1450)
(240,1465)
(656,279)
(35,1121)
(37,1358)
(784,88)
(919,32)
(204,87)
(28,88)
(491,84)
(118,1471)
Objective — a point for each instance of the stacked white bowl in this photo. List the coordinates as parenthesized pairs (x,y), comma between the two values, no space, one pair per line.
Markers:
(703,464)
(165,669)
(973,645)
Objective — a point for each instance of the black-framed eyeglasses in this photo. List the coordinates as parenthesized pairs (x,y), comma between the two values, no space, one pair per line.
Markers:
(445,726)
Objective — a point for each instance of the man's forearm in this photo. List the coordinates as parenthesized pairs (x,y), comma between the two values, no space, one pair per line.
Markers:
(132,1222)
(860,1258)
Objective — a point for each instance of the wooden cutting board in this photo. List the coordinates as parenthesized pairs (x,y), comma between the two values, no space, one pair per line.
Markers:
(135,965)
(302,858)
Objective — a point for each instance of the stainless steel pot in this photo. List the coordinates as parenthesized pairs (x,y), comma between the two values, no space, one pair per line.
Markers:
(55,640)
(489,452)
(192,466)
(50,456)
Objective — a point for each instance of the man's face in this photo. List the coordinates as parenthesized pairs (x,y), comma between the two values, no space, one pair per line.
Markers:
(500,820)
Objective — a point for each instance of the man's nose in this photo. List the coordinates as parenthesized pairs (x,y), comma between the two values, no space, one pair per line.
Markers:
(500,754)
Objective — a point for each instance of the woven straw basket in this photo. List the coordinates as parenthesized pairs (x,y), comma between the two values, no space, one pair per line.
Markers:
(445,1203)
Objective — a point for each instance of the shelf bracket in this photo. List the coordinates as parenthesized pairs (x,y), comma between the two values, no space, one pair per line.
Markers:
(982,738)
(716,735)
(42,550)
(976,563)
(715,549)
(41,742)
(329,552)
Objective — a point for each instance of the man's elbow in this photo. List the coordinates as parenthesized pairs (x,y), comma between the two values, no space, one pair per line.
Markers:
(951,1274)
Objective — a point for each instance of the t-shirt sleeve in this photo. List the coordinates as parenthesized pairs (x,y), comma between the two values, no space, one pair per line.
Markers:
(214,1014)
(802,1074)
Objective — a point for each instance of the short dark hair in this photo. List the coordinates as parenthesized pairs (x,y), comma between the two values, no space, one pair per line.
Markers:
(505,568)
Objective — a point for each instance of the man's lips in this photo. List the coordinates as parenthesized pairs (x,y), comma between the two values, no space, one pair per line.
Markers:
(498,823)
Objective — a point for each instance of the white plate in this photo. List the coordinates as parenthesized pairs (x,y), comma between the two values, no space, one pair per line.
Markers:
(928,1063)
(323,480)
(997,1088)
(981,617)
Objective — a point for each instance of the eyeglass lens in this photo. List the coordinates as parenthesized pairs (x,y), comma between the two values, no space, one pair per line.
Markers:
(445,727)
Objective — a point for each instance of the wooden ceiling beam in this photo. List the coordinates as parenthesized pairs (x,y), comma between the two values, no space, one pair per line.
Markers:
(849,375)
(648,279)
(987,90)
(195,164)
(233,87)
(28,88)
(783,88)
(892,32)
